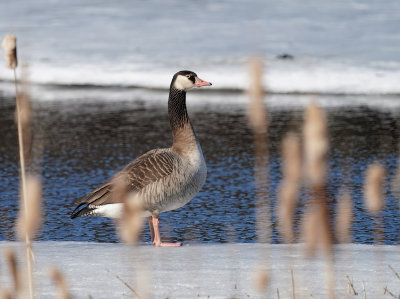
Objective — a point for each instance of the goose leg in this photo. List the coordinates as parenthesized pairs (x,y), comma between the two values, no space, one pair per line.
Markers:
(157,238)
(150,220)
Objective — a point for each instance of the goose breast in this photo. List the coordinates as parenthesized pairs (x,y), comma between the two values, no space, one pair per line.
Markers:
(180,186)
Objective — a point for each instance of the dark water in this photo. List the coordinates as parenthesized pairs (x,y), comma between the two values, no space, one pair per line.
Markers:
(79,144)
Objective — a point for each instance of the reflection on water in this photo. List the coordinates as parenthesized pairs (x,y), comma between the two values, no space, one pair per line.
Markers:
(82,143)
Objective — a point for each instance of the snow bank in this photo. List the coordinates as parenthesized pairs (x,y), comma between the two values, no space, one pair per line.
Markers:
(218,271)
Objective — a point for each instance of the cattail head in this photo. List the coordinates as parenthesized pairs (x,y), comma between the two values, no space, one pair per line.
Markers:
(289,188)
(291,155)
(5,294)
(395,185)
(256,89)
(256,112)
(316,231)
(373,188)
(14,272)
(262,280)
(315,144)
(29,219)
(59,281)
(9,45)
(286,210)
(131,220)
(344,217)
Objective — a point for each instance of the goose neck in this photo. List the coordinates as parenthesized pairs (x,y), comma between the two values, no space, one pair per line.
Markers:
(177,112)
(182,130)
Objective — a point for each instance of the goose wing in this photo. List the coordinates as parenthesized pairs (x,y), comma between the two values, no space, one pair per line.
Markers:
(148,168)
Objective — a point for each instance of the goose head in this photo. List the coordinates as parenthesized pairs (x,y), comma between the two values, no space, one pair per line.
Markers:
(185,80)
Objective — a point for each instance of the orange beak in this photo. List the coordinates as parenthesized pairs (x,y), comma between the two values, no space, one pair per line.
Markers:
(199,82)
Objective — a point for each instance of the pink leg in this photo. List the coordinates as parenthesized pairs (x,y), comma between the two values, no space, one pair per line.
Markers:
(150,220)
(157,238)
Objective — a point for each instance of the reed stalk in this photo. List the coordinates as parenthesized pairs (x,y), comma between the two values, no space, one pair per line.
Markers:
(387,291)
(364,291)
(293,285)
(394,271)
(374,203)
(316,226)
(288,193)
(317,230)
(351,286)
(28,244)
(23,121)
(258,121)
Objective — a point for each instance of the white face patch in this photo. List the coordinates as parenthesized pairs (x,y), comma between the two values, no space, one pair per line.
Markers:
(183,83)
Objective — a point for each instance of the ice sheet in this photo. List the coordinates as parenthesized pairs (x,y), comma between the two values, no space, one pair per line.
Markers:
(215,271)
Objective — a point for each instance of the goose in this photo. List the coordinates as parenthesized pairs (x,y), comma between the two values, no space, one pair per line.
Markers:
(161,179)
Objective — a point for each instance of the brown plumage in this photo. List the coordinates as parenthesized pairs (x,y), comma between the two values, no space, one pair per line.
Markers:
(148,168)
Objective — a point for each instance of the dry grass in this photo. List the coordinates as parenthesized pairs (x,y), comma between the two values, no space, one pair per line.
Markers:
(351,286)
(394,271)
(125,283)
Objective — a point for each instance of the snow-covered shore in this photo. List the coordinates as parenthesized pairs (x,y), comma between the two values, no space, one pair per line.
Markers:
(215,271)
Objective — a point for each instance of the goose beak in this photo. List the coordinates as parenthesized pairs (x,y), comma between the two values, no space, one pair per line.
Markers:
(199,82)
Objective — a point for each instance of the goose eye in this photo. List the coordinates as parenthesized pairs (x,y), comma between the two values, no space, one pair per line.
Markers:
(188,76)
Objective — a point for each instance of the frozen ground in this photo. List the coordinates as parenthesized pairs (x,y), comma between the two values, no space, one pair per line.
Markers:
(215,271)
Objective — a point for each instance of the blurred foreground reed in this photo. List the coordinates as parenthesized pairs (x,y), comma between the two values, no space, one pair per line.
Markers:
(23,124)
(305,158)
(305,169)
(29,219)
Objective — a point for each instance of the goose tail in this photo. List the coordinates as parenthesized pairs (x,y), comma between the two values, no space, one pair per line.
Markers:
(83,209)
